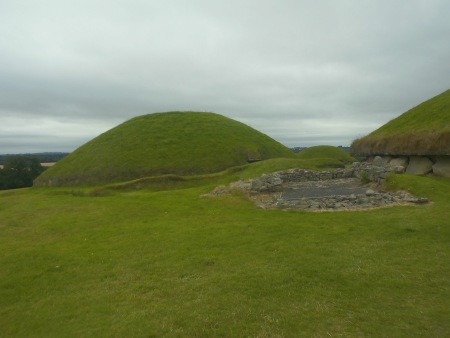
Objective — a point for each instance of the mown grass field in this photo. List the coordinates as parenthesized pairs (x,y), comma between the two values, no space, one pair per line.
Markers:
(149,263)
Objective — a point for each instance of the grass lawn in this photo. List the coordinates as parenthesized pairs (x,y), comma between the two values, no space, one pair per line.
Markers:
(169,263)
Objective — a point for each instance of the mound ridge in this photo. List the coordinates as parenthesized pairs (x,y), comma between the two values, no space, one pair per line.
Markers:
(423,130)
(180,143)
(325,151)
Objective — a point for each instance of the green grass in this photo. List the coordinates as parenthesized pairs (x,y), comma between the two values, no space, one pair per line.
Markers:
(169,263)
(423,130)
(170,182)
(175,143)
(326,152)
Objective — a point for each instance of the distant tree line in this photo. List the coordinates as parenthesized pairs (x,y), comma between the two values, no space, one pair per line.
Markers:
(19,172)
(42,157)
(299,149)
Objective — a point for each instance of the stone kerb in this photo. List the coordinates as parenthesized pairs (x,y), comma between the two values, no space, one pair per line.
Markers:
(415,165)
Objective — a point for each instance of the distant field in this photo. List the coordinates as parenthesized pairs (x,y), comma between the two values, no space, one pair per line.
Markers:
(108,262)
(47,164)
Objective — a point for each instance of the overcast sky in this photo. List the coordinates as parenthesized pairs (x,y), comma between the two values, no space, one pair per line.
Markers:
(303,72)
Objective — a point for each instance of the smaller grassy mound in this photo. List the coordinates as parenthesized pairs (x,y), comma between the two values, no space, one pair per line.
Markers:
(334,155)
(423,130)
(173,143)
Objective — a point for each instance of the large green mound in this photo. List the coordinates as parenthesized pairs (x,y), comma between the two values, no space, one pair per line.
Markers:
(326,152)
(423,130)
(180,143)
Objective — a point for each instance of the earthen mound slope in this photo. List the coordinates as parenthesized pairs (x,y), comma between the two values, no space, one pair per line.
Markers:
(176,143)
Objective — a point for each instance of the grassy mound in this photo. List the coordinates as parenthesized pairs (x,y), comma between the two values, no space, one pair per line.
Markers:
(178,143)
(333,154)
(423,130)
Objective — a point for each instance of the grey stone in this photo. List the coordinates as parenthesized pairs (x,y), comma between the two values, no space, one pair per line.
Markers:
(378,162)
(419,165)
(442,166)
(398,165)
(399,161)
(256,185)
(370,192)
(399,169)
(417,200)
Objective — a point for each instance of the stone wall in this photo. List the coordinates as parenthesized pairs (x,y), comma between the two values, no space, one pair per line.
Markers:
(369,172)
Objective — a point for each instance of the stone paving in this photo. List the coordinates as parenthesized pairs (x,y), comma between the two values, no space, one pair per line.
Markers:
(342,187)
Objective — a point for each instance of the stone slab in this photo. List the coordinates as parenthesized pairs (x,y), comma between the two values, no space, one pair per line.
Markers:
(419,165)
(442,166)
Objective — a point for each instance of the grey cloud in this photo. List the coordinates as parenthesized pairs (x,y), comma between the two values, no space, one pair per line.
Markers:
(276,66)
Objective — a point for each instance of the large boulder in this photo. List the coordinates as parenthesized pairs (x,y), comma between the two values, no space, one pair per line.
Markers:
(419,165)
(442,166)
(398,164)
(403,161)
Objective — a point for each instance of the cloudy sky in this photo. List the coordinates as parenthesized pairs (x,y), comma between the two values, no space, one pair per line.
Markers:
(303,72)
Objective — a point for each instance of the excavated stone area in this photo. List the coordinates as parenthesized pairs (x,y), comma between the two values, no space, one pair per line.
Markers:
(300,189)
(332,195)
